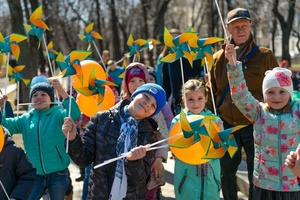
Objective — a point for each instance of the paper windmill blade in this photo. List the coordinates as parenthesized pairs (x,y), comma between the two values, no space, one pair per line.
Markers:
(89,35)
(195,152)
(178,46)
(222,142)
(95,87)
(151,43)
(72,63)
(15,73)
(37,25)
(52,53)
(135,46)
(203,48)
(10,44)
(1,138)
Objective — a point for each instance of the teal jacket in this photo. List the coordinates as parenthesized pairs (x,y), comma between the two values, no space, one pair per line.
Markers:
(197,182)
(42,136)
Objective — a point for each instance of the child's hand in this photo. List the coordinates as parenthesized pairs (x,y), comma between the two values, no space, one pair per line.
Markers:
(69,126)
(230,54)
(292,161)
(137,153)
(59,88)
(157,167)
(2,99)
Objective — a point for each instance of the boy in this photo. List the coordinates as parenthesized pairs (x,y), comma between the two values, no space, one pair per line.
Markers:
(121,129)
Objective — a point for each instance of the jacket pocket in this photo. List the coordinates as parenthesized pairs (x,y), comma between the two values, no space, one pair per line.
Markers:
(182,181)
(59,153)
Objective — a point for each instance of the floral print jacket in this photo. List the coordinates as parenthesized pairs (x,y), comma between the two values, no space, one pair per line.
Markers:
(275,135)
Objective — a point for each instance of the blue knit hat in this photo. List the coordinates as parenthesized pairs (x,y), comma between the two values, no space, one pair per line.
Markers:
(156,91)
(42,86)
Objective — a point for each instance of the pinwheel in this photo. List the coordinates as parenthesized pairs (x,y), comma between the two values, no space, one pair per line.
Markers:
(203,48)
(202,140)
(178,46)
(95,87)
(51,52)
(135,46)
(16,75)
(89,35)
(72,63)
(10,44)
(37,25)
(1,138)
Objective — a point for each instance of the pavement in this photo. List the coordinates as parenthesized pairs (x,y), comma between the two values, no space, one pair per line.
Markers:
(167,189)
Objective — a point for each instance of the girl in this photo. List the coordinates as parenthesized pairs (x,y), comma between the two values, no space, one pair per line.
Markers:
(197,181)
(276,128)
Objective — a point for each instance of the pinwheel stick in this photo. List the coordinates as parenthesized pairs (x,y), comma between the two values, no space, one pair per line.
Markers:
(182,77)
(4,190)
(104,67)
(70,106)
(225,31)
(6,77)
(50,64)
(123,155)
(209,81)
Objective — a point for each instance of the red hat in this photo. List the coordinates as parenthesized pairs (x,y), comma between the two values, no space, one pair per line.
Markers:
(135,72)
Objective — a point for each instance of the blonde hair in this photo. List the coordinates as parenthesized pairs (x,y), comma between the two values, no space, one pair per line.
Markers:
(193,85)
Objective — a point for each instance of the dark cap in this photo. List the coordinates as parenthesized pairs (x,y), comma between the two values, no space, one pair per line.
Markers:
(238,13)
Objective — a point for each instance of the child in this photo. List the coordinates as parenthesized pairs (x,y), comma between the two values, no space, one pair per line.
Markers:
(121,129)
(135,75)
(114,72)
(17,174)
(163,119)
(276,128)
(43,138)
(197,181)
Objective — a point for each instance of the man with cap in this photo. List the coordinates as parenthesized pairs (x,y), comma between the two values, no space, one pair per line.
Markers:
(123,128)
(256,60)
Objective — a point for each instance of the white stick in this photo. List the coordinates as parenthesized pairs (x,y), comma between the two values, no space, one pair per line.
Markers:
(128,153)
(4,190)
(18,86)
(209,81)
(70,106)
(99,55)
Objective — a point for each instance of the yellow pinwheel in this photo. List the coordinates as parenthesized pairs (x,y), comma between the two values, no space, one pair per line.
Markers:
(89,35)
(16,75)
(135,46)
(10,44)
(37,25)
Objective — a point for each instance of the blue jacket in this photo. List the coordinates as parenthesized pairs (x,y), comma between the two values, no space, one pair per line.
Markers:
(197,181)
(42,136)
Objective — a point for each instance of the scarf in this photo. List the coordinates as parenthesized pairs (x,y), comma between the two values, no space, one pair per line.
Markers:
(126,141)
(242,50)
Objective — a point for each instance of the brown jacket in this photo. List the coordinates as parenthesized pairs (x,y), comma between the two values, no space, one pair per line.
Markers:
(262,60)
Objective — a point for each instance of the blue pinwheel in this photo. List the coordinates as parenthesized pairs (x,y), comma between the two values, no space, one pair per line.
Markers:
(16,75)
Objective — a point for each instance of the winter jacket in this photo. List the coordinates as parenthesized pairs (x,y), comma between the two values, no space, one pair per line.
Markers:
(262,60)
(197,182)
(99,144)
(275,135)
(16,172)
(42,136)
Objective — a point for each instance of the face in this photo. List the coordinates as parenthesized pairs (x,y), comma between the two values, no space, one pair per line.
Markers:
(112,67)
(142,106)
(40,100)
(134,83)
(277,97)
(240,30)
(151,79)
(195,101)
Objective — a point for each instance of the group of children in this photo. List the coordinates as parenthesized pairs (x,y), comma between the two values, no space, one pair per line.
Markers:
(129,128)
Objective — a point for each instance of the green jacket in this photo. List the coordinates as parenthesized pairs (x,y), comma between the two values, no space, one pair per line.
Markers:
(197,181)
(262,60)
(42,136)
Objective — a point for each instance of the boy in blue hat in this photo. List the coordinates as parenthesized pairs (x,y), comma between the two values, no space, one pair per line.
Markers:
(109,134)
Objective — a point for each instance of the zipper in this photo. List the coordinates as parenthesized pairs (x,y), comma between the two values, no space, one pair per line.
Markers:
(279,152)
(39,144)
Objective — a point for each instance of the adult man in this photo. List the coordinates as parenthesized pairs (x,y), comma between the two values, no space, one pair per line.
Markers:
(256,60)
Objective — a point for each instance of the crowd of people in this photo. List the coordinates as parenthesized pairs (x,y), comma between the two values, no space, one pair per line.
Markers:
(248,88)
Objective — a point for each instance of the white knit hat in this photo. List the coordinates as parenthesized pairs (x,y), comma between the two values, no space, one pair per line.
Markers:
(278,77)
